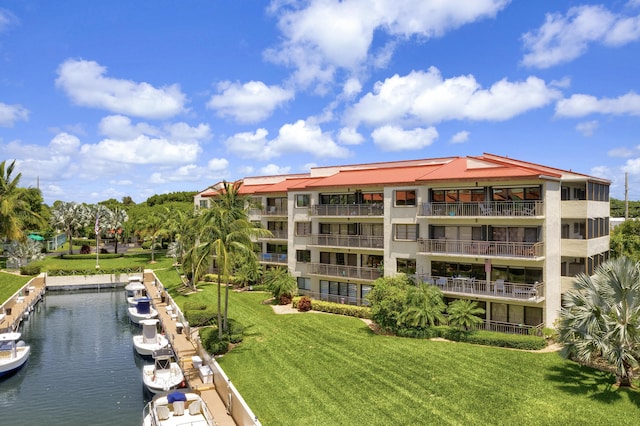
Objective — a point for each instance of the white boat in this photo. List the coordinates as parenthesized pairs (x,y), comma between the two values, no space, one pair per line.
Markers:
(150,340)
(13,352)
(142,310)
(164,375)
(177,408)
(135,291)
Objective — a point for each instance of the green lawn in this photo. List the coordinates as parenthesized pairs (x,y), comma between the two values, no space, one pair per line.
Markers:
(9,284)
(322,369)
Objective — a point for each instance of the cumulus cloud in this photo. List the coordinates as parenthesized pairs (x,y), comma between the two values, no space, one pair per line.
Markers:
(621,152)
(7,19)
(9,114)
(142,143)
(563,38)
(272,169)
(587,128)
(580,105)
(249,102)
(460,137)
(391,138)
(325,35)
(426,97)
(350,136)
(299,137)
(86,83)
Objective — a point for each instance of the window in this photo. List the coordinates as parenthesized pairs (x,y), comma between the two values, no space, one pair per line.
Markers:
(304,283)
(407,232)
(302,200)
(407,266)
(303,228)
(303,255)
(204,204)
(405,198)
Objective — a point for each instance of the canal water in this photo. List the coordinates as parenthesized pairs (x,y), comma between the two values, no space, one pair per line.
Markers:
(83,369)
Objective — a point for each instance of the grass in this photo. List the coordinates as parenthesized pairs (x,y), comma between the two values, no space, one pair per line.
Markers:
(9,284)
(326,369)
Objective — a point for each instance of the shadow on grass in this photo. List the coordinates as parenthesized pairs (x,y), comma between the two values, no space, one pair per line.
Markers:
(576,379)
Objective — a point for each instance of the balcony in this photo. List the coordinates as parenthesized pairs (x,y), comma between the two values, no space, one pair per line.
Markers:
(335,298)
(278,258)
(349,241)
(281,234)
(484,208)
(498,289)
(346,272)
(347,210)
(269,211)
(521,250)
(511,328)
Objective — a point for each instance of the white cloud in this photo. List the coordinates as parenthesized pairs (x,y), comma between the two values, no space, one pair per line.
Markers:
(350,136)
(563,38)
(86,84)
(121,182)
(9,114)
(324,35)
(587,128)
(299,137)
(7,19)
(351,88)
(621,152)
(250,102)
(391,138)
(581,105)
(425,97)
(142,143)
(272,169)
(218,164)
(460,137)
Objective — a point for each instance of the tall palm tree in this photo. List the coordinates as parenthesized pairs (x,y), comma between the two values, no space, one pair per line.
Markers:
(225,234)
(14,208)
(154,225)
(601,317)
(114,222)
(69,216)
(424,307)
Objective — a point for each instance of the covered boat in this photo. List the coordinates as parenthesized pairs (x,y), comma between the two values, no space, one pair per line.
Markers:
(164,375)
(177,408)
(13,352)
(150,340)
(142,310)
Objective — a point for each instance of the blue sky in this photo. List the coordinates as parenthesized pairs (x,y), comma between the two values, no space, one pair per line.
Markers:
(106,99)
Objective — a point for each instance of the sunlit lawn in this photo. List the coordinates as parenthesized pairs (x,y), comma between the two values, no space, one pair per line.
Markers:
(9,284)
(319,369)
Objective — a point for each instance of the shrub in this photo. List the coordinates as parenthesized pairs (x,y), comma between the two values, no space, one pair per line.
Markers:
(30,270)
(85,249)
(212,343)
(341,309)
(200,317)
(210,278)
(259,287)
(493,338)
(304,304)
(236,331)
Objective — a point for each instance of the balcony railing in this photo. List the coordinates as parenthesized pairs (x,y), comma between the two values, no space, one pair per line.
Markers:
(481,248)
(335,298)
(277,235)
(269,211)
(498,289)
(351,241)
(347,210)
(511,328)
(347,272)
(273,258)
(484,208)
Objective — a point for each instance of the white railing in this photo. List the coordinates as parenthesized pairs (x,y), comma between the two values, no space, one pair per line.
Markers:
(484,208)
(483,248)
(351,241)
(347,272)
(476,287)
(347,210)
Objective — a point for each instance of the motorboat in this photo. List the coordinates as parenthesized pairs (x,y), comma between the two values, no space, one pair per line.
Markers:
(150,340)
(135,291)
(182,407)
(142,310)
(164,375)
(13,352)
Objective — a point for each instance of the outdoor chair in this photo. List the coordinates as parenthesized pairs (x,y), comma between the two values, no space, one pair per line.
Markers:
(441,282)
(499,286)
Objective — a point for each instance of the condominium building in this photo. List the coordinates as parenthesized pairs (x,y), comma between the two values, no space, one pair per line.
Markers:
(509,234)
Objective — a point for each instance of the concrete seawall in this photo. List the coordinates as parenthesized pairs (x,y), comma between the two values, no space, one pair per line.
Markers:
(80,282)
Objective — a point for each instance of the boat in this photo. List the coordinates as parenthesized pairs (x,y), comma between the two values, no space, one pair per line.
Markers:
(164,375)
(142,310)
(13,352)
(150,340)
(135,291)
(177,408)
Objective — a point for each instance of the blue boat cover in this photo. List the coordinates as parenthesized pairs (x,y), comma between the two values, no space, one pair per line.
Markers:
(176,396)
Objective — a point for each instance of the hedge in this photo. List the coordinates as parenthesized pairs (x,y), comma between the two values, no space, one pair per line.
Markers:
(336,308)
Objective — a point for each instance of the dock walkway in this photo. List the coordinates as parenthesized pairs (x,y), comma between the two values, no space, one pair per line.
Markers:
(21,303)
(185,349)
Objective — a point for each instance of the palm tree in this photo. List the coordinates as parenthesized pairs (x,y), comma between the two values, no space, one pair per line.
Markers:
(14,208)
(600,317)
(155,226)
(424,307)
(463,314)
(114,222)
(69,216)
(225,234)
(281,283)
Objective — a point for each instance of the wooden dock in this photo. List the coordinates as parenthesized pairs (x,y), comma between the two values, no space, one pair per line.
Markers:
(185,349)
(21,304)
